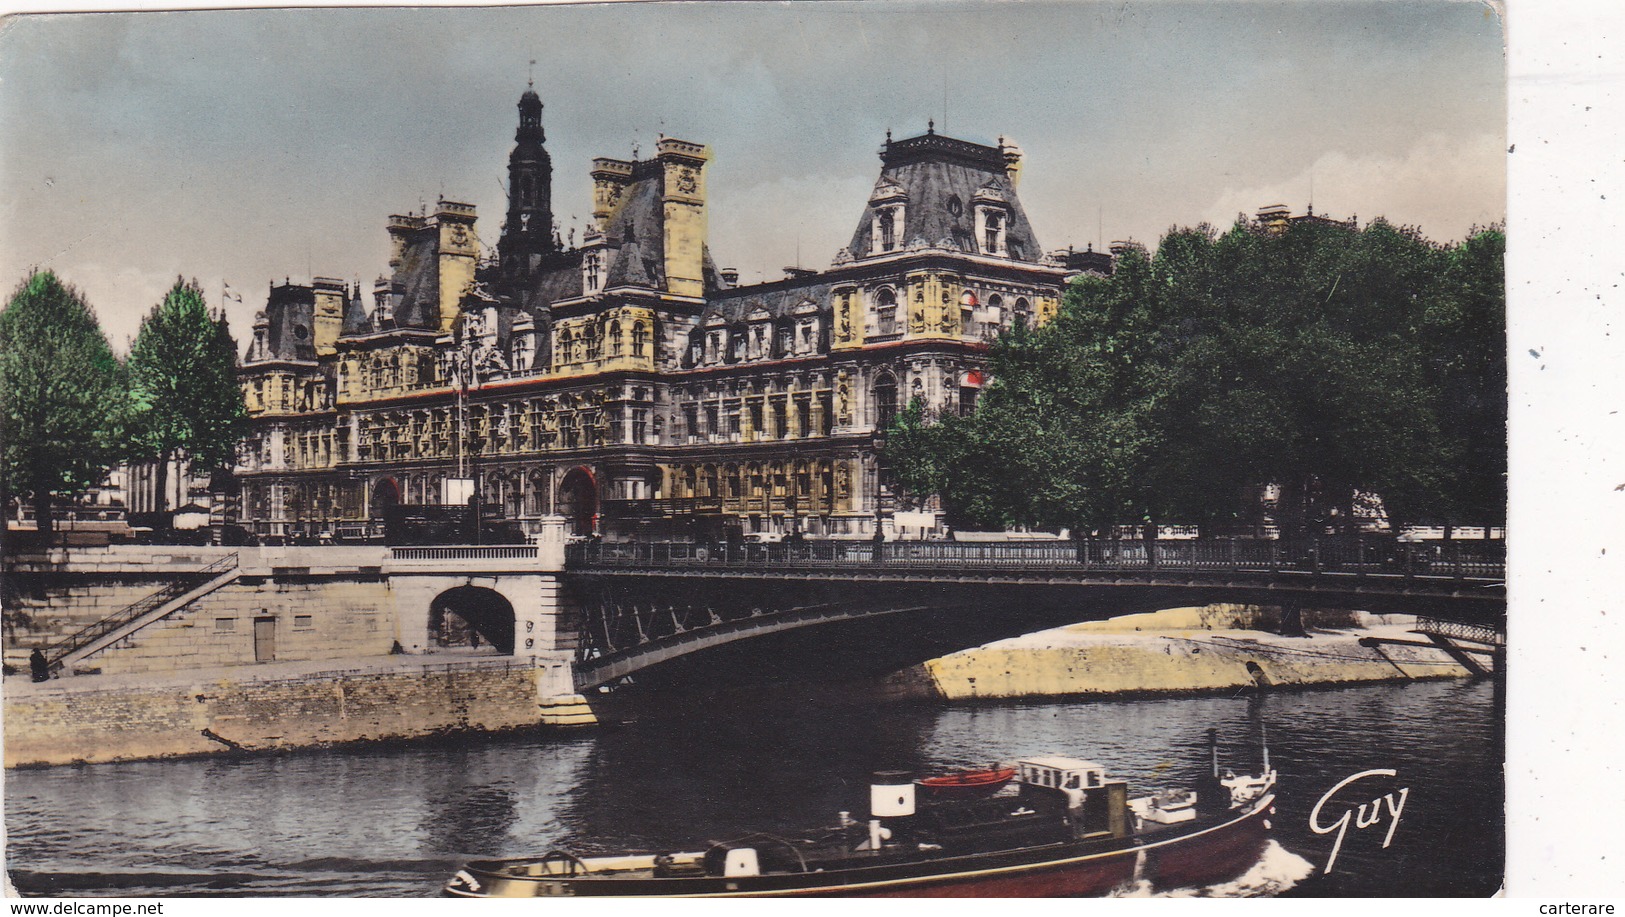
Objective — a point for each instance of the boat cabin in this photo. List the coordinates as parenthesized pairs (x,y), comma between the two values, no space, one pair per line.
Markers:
(1096,806)
(1060,773)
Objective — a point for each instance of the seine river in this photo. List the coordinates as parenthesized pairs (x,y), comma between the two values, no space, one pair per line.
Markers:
(397,821)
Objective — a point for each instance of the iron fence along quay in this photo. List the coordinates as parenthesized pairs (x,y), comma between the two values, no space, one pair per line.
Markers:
(1339,557)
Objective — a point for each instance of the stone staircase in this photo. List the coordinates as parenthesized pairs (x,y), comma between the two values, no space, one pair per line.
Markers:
(178,594)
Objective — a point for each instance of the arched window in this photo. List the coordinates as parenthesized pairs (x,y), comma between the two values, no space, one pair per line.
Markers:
(885,393)
(1024,314)
(886,312)
(614,339)
(888,230)
(993,244)
(640,340)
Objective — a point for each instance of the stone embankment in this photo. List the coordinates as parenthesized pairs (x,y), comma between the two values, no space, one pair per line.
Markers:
(311,704)
(274,707)
(1187,650)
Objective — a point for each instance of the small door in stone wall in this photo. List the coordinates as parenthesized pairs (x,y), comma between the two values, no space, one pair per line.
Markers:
(265,639)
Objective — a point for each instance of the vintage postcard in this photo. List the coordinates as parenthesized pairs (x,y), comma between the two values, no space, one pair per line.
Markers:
(849,448)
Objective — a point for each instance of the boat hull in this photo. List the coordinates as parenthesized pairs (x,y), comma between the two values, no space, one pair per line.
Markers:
(1205,855)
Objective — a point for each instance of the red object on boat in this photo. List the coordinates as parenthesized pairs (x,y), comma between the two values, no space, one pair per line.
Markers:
(962,784)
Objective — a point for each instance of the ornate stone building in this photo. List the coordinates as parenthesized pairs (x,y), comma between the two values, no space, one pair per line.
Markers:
(627,383)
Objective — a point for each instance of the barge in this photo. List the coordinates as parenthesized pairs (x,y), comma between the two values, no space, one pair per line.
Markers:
(1062,828)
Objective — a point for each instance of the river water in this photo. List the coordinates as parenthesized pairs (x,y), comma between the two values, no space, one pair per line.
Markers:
(397,821)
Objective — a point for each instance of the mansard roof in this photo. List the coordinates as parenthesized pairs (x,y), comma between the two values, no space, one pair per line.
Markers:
(779,300)
(290,310)
(418,282)
(934,171)
(636,233)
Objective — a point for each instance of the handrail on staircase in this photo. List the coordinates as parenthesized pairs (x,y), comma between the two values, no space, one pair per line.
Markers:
(60,650)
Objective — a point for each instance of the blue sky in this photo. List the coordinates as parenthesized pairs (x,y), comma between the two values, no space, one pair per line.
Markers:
(245,146)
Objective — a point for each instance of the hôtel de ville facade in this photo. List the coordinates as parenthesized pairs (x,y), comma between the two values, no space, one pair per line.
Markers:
(629,380)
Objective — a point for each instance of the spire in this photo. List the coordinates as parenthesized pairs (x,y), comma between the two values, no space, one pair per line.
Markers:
(527,232)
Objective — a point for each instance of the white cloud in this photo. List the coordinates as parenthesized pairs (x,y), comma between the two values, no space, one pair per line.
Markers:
(1445,185)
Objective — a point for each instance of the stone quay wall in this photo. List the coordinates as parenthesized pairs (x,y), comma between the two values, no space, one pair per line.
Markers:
(111,718)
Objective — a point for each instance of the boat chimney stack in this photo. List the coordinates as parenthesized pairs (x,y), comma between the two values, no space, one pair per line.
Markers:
(1264,740)
(891,795)
(1213,750)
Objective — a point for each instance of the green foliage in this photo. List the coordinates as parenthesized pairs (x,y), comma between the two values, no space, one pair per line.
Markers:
(62,394)
(183,381)
(1327,360)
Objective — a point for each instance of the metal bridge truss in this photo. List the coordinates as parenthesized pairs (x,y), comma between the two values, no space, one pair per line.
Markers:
(617,640)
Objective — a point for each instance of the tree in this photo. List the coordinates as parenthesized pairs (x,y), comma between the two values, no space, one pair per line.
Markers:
(1329,361)
(63,400)
(183,382)
(1465,331)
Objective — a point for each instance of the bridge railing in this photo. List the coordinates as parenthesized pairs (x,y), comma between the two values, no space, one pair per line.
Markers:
(465,552)
(1454,559)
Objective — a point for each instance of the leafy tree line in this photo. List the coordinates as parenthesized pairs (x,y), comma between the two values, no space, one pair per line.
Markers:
(1331,362)
(70,409)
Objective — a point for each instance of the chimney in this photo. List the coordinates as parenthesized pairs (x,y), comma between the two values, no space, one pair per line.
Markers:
(1012,160)
(610,178)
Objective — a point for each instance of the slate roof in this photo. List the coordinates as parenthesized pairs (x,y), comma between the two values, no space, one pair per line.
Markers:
(355,318)
(638,228)
(778,299)
(932,169)
(290,310)
(418,280)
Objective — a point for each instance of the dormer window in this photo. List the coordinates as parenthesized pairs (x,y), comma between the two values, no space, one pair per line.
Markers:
(888,230)
(992,232)
(592,279)
(887,204)
(992,220)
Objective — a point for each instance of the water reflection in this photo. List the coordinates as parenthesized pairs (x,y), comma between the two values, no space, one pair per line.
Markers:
(397,820)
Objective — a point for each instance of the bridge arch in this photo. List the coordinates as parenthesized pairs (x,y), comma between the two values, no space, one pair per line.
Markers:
(471,616)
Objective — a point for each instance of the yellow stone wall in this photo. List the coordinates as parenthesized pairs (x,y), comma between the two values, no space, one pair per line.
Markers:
(848,332)
(328,319)
(933,304)
(1048,305)
(459,252)
(683,201)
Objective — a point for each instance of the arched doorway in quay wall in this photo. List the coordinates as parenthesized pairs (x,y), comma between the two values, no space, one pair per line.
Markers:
(578,500)
(472,617)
